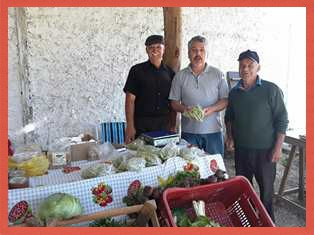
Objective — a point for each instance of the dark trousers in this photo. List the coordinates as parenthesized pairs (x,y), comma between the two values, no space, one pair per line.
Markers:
(257,163)
(147,124)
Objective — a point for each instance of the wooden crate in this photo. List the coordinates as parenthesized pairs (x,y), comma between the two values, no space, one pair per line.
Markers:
(146,213)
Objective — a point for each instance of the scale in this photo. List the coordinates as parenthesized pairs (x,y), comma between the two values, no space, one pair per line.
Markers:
(160,138)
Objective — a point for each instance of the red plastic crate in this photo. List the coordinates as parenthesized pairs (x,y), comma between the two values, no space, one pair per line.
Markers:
(231,203)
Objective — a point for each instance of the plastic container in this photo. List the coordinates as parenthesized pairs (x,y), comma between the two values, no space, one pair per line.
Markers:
(231,203)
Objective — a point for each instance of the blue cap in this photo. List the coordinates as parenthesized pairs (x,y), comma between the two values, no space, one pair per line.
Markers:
(252,55)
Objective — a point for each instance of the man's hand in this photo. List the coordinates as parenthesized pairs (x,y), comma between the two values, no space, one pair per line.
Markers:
(208,111)
(229,144)
(276,154)
(129,134)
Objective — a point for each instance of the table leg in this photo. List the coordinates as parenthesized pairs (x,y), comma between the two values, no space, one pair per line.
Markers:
(301,174)
(286,172)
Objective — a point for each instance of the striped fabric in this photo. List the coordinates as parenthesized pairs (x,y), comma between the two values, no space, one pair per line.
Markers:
(112,132)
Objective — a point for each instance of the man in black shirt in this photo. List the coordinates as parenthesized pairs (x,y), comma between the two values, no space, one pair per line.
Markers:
(147,88)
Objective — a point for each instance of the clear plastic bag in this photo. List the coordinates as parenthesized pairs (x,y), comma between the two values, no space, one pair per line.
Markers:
(190,153)
(136,164)
(96,170)
(169,151)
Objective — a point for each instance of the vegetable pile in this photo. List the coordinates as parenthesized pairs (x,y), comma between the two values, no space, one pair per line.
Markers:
(196,113)
(182,218)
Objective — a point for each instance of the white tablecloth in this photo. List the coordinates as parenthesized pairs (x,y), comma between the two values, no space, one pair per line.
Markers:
(119,183)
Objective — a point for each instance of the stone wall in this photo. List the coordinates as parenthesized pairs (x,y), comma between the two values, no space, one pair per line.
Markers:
(68,66)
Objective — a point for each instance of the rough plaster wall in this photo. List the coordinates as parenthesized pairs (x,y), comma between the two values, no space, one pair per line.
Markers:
(276,33)
(15,111)
(79,60)
(227,29)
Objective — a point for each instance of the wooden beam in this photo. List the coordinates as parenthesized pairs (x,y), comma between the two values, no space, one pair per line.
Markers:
(173,29)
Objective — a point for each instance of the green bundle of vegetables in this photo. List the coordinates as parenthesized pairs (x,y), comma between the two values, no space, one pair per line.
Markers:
(182,219)
(196,113)
(108,222)
(59,206)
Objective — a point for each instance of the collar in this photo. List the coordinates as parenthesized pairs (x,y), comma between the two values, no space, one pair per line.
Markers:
(258,82)
(162,65)
(206,68)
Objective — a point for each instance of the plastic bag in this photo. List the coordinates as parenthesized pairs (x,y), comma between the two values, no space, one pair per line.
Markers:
(169,151)
(120,160)
(151,159)
(136,164)
(97,170)
(37,165)
(190,153)
(134,145)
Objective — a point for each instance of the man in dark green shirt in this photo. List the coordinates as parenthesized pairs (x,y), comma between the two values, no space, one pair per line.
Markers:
(256,121)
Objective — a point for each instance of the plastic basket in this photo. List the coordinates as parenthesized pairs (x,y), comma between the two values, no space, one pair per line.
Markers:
(231,203)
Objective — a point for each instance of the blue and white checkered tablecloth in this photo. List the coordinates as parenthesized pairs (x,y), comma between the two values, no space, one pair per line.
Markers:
(52,183)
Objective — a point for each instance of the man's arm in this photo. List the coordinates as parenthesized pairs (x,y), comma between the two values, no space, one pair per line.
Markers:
(129,113)
(172,120)
(229,138)
(280,138)
(218,106)
(178,107)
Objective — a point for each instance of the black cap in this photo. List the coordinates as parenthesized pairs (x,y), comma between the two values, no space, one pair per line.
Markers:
(153,39)
(252,55)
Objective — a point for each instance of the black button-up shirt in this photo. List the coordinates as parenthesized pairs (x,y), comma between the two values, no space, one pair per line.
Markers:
(151,86)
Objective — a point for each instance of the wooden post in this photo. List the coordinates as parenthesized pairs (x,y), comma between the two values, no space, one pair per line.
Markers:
(172,28)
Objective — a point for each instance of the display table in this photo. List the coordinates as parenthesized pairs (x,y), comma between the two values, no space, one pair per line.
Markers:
(74,185)
(297,143)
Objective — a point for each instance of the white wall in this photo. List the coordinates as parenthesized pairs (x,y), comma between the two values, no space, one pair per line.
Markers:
(15,110)
(78,58)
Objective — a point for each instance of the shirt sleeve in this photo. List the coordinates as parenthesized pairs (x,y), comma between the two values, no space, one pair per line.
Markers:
(280,115)
(175,91)
(131,82)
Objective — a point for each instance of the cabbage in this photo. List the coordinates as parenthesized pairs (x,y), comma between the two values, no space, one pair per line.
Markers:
(59,206)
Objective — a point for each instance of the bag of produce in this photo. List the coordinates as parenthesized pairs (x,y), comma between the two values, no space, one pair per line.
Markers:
(35,165)
(59,206)
(134,145)
(169,151)
(152,159)
(136,164)
(96,170)
(190,153)
(196,113)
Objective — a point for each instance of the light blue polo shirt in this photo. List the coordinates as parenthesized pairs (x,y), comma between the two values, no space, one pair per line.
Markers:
(204,90)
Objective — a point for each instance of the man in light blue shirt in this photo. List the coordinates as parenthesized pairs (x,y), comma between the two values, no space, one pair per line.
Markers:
(204,85)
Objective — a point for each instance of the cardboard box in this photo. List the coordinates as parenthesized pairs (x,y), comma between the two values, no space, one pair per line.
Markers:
(79,151)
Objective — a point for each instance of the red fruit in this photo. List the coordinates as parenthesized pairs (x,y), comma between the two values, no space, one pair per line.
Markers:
(134,187)
(101,188)
(109,199)
(213,165)
(103,204)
